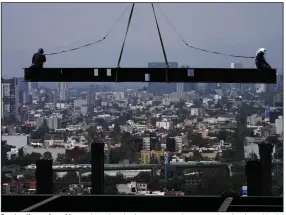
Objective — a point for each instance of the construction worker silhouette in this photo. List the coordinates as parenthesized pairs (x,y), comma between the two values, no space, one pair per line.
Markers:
(39,59)
(260,61)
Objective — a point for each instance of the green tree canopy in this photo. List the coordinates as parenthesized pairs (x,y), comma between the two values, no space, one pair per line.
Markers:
(27,159)
(11,120)
(33,157)
(197,156)
(47,156)
(70,176)
(41,131)
(143,177)
(197,139)
(60,158)
(86,159)
(115,155)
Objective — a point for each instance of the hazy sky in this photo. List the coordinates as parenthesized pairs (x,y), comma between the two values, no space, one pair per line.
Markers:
(235,28)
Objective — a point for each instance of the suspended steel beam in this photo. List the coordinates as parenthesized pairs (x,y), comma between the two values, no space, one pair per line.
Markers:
(195,75)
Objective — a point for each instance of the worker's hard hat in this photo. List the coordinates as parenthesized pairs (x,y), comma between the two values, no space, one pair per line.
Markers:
(263,50)
(41,50)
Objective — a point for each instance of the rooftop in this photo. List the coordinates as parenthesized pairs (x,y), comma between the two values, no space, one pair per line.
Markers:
(96,203)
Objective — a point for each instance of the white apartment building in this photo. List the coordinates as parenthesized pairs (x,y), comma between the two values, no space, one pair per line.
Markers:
(279,125)
(164,124)
(80,105)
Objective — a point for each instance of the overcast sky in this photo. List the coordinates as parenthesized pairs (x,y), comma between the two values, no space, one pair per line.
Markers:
(236,28)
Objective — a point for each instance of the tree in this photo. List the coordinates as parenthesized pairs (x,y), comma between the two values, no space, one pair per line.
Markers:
(218,157)
(192,190)
(197,139)
(115,155)
(117,128)
(33,157)
(224,100)
(55,176)
(127,148)
(228,155)
(218,106)
(11,120)
(113,180)
(84,159)
(110,190)
(143,177)
(92,135)
(21,152)
(110,183)
(26,160)
(18,130)
(153,121)
(41,131)
(29,176)
(61,158)
(47,156)
(6,178)
(70,176)
(215,182)
(176,184)
(103,123)
(155,183)
(253,156)
(197,156)
(86,178)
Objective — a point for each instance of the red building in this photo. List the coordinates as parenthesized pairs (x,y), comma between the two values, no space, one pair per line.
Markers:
(76,152)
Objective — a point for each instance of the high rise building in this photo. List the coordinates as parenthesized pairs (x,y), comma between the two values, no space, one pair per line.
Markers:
(63,91)
(162,88)
(238,86)
(189,86)
(10,97)
(23,91)
(180,90)
(33,89)
(279,125)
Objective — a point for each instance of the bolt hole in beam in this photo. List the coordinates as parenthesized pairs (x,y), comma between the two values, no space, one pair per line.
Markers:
(95,72)
(191,72)
(108,72)
(147,77)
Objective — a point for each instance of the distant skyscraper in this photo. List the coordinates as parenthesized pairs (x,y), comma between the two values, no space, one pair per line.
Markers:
(238,86)
(63,91)
(63,85)
(23,91)
(33,89)
(189,86)
(10,97)
(162,88)
(180,90)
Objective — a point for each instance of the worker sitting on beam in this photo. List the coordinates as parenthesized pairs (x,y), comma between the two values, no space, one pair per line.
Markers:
(38,59)
(260,61)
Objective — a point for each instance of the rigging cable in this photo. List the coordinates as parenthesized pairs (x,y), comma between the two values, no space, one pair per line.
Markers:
(127,29)
(160,36)
(193,47)
(92,43)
